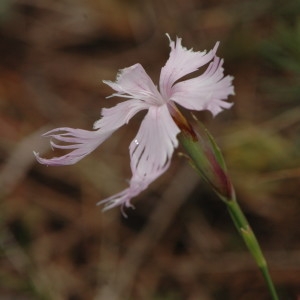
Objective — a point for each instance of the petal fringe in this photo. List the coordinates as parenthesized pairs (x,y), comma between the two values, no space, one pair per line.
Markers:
(180,63)
(82,142)
(207,91)
(133,82)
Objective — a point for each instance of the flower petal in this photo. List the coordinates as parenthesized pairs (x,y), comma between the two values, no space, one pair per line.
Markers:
(206,91)
(134,82)
(136,186)
(115,117)
(180,63)
(154,144)
(150,152)
(82,142)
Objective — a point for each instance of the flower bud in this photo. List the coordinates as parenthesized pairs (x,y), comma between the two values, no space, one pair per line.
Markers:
(205,156)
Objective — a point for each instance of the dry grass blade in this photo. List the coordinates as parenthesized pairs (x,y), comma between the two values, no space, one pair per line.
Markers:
(20,160)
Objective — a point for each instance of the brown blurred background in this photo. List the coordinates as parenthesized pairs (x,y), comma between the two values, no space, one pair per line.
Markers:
(179,242)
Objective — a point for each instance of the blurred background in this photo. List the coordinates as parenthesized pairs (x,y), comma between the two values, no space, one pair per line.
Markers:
(179,242)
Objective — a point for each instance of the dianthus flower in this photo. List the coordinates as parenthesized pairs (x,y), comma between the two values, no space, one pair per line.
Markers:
(153,146)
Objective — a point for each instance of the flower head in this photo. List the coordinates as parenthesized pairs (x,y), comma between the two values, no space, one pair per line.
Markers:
(152,148)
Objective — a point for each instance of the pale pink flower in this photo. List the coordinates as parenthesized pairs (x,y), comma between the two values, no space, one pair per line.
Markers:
(152,148)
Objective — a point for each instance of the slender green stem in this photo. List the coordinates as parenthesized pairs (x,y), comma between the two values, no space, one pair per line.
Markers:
(206,157)
(251,242)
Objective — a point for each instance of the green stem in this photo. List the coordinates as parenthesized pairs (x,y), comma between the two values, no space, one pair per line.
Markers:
(251,242)
(206,157)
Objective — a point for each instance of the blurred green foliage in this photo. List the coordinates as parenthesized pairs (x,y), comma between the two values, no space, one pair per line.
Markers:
(5,9)
(281,53)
